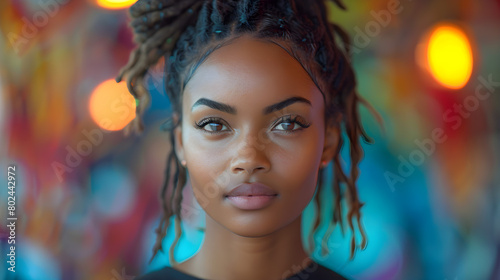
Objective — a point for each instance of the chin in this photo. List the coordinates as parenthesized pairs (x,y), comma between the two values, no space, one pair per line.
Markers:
(253,230)
(254,223)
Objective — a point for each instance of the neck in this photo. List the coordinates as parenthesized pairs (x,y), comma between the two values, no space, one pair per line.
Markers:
(225,255)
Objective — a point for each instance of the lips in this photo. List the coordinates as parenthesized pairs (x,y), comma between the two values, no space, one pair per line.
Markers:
(252,196)
(253,189)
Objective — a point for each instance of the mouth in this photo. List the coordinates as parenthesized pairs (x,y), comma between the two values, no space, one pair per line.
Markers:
(252,196)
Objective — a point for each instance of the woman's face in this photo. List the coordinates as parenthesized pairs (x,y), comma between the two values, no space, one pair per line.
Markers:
(251,113)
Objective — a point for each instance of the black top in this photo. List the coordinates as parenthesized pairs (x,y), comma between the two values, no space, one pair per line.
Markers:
(313,271)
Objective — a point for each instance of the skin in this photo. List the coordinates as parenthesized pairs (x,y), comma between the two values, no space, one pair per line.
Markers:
(250,74)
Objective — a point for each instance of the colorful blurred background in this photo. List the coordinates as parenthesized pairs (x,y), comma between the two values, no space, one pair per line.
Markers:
(87,196)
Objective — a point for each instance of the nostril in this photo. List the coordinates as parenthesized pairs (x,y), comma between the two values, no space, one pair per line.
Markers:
(249,167)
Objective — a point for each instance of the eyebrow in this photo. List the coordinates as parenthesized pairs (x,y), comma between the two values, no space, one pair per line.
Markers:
(232,110)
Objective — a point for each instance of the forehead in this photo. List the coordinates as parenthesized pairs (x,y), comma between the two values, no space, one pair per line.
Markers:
(253,72)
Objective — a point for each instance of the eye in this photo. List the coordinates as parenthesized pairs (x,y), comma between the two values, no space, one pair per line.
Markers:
(211,125)
(290,125)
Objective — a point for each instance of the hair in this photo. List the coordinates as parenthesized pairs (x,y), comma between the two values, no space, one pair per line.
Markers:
(186,32)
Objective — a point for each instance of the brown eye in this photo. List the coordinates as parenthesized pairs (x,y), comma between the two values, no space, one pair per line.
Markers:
(214,127)
(288,124)
(211,125)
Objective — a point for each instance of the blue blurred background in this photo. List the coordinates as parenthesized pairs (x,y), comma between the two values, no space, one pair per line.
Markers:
(87,196)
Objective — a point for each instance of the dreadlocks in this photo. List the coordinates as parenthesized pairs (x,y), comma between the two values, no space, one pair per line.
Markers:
(186,32)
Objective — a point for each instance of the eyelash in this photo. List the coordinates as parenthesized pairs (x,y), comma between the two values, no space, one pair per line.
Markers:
(285,119)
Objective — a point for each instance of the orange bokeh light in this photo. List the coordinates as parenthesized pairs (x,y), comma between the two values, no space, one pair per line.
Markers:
(449,56)
(111,105)
(115,4)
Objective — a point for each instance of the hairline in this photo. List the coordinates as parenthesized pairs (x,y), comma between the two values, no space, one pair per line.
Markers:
(286,45)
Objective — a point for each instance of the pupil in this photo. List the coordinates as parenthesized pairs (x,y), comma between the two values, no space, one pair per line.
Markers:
(214,126)
(287,126)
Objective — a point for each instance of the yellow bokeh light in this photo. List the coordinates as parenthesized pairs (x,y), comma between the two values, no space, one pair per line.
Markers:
(111,105)
(449,56)
(115,4)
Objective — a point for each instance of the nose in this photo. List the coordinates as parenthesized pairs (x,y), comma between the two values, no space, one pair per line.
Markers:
(250,157)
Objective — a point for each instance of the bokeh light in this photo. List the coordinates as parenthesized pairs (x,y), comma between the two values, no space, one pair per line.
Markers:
(111,105)
(449,56)
(115,4)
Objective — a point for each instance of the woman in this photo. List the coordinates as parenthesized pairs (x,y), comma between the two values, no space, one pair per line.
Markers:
(261,92)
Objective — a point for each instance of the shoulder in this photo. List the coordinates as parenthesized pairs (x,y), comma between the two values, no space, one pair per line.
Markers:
(316,271)
(166,273)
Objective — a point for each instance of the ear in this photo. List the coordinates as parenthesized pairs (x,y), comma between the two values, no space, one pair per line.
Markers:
(178,144)
(332,139)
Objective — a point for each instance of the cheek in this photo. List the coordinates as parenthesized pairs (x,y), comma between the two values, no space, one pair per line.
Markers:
(205,163)
(298,167)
